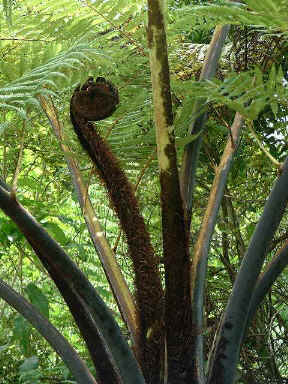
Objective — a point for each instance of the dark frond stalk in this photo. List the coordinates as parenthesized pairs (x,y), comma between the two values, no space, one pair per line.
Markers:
(102,360)
(175,244)
(225,355)
(80,295)
(267,278)
(191,153)
(149,295)
(201,251)
(113,273)
(80,312)
(67,353)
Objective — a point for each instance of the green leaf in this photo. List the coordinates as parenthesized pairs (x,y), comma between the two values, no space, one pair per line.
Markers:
(21,332)
(56,232)
(181,142)
(250,229)
(29,364)
(274,106)
(29,371)
(38,299)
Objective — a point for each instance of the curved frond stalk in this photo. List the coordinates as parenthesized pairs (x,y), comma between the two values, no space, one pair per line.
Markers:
(69,356)
(224,358)
(149,293)
(266,279)
(201,250)
(191,152)
(85,304)
(113,273)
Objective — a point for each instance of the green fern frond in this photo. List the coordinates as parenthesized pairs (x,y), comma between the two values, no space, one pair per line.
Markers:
(247,93)
(7,8)
(59,20)
(20,111)
(44,78)
(270,14)
(4,126)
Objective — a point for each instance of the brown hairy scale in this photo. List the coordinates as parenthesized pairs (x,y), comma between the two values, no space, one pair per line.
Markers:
(93,101)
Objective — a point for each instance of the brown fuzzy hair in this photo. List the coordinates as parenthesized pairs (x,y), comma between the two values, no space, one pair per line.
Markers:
(95,101)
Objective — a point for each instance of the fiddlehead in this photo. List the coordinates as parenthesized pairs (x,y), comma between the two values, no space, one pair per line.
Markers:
(96,100)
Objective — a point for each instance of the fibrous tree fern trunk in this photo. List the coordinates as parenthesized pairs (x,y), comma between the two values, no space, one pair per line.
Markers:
(175,245)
